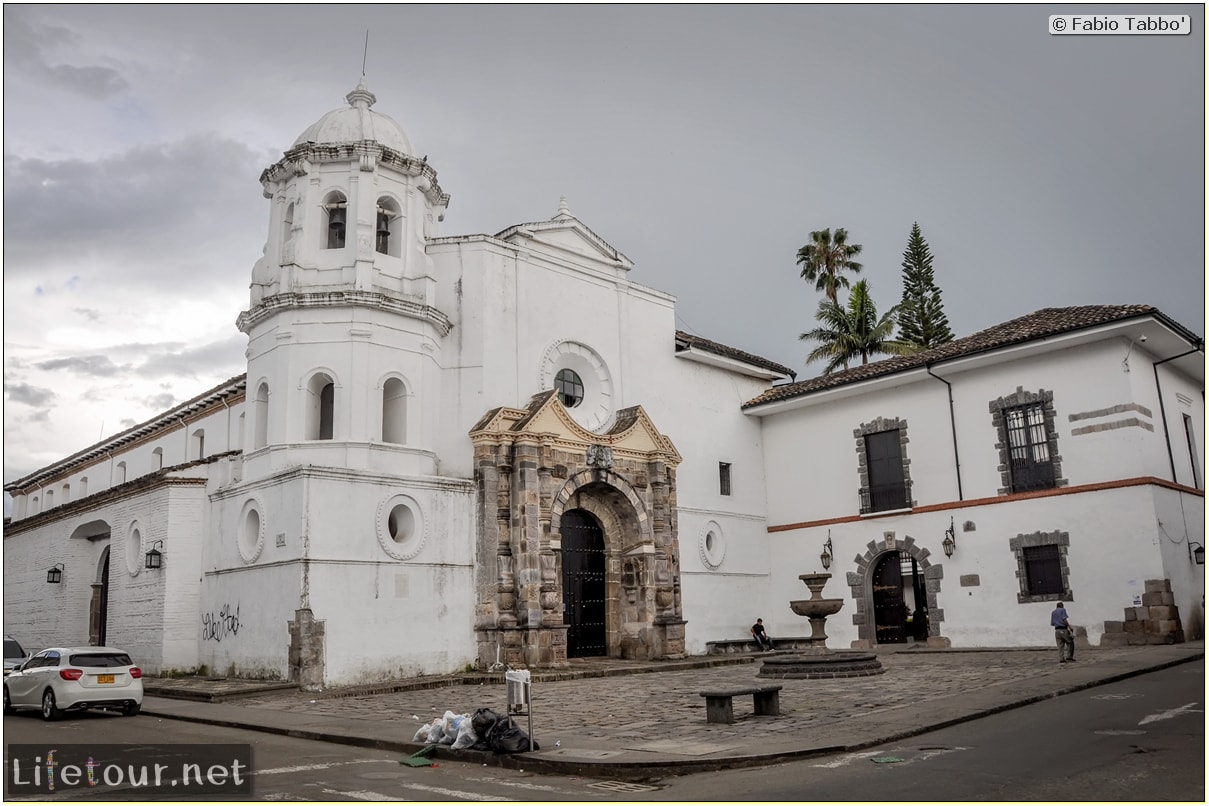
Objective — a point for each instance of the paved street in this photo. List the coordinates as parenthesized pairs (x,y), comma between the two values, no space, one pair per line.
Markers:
(648,711)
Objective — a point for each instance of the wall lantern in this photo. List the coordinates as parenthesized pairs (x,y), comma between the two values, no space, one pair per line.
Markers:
(950,541)
(825,557)
(155,557)
(55,575)
(1197,554)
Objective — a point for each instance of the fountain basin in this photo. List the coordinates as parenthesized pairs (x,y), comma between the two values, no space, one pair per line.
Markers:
(816,608)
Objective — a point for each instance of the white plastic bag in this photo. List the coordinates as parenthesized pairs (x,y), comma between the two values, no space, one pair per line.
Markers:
(448,732)
(453,725)
(466,735)
(422,733)
(436,731)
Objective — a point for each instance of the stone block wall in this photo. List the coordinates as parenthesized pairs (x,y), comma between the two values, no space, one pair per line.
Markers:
(1156,621)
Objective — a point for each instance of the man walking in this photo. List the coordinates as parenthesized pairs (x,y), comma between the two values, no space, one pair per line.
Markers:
(1063,634)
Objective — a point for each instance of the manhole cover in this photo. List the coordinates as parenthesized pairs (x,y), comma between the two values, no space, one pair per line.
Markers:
(622,786)
(1120,732)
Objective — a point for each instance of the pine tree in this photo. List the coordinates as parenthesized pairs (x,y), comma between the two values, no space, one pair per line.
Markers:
(921,314)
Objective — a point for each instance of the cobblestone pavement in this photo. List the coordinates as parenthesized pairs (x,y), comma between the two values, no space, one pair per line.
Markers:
(666,705)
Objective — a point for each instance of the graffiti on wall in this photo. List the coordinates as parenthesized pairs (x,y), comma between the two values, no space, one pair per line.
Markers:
(220,625)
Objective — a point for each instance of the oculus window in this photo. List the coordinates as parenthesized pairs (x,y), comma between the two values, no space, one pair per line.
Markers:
(569,387)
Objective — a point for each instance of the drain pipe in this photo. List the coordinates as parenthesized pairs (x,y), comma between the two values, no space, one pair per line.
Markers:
(953,428)
(1197,346)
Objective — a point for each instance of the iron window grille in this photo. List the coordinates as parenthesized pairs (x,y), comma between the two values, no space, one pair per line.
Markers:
(569,387)
(885,497)
(1032,466)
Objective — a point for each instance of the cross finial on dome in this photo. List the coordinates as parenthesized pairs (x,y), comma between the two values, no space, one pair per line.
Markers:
(361,97)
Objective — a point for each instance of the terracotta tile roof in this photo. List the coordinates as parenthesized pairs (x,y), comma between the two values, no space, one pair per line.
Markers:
(686,340)
(1037,325)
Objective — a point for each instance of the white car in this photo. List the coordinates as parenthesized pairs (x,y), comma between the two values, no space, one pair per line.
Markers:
(75,679)
(14,655)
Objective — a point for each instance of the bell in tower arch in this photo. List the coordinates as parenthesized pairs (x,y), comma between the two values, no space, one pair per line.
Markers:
(335,227)
(383,240)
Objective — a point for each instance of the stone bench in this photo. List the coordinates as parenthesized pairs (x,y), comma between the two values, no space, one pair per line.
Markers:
(740,645)
(719,705)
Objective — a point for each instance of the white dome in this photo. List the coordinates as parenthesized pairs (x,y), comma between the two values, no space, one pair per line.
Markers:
(357,122)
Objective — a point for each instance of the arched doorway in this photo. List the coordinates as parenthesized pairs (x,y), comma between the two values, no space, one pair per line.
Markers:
(98,611)
(900,602)
(583,582)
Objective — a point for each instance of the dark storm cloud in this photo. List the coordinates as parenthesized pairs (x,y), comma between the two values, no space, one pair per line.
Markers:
(29,395)
(27,49)
(99,366)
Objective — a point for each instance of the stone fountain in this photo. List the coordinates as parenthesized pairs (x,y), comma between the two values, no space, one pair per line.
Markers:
(817,661)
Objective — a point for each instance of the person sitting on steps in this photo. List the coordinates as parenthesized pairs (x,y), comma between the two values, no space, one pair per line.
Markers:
(762,639)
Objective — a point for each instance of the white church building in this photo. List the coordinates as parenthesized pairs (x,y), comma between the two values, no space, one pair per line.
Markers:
(448,451)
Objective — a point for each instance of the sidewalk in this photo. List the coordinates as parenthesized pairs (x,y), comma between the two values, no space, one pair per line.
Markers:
(634,721)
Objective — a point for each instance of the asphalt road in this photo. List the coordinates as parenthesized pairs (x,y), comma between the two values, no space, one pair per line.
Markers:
(1139,739)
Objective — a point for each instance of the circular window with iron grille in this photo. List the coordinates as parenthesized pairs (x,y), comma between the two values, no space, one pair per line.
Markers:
(569,387)
(582,382)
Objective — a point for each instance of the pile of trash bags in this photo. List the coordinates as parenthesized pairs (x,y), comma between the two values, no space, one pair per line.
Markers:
(485,730)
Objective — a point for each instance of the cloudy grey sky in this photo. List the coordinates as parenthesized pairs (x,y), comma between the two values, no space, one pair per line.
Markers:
(704,142)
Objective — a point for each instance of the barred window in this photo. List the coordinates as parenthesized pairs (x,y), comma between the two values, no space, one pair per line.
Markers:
(1032,466)
(569,387)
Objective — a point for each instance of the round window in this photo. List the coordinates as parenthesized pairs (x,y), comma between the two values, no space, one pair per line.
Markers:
(251,532)
(712,546)
(569,387)
(401,527)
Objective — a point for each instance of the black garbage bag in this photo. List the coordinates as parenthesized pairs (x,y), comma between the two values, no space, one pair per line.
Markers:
(507,737)
(483,721)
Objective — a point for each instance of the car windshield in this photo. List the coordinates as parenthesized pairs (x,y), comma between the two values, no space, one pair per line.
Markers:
(101,659)
(12,649)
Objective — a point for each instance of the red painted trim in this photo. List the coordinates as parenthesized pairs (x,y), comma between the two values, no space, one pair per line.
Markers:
(1140,481)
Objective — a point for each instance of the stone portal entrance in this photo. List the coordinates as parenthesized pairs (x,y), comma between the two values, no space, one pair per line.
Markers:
(895,588)
(582,529)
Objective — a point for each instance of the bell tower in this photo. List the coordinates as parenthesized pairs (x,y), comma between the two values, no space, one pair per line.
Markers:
(352,207)
(342,324)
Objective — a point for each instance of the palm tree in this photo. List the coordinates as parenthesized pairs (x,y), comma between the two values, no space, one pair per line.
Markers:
(856,330)
(825,259)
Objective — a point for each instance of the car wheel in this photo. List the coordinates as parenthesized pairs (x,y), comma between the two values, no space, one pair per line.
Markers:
(8,702)
(132,709)
(49,711)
